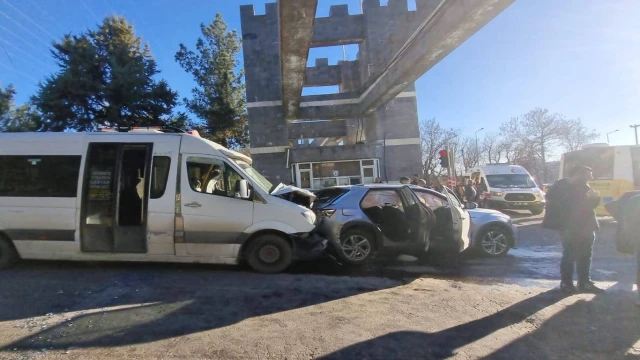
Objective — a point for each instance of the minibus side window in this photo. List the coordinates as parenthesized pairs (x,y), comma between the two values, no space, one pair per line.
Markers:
(159,176)
(212,176)
(39,176)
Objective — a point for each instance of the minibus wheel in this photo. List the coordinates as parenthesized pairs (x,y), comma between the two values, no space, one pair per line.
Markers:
(269,254)
(8,254)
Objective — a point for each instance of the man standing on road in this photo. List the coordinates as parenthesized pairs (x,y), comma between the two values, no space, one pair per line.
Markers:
(470,191)
(405,180)
(570,209)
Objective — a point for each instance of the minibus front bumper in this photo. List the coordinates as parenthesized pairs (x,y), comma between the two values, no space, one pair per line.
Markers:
(308,246)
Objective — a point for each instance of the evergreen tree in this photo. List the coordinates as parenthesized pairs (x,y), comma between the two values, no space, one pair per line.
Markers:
(16,118)
(219,96)
(106,78)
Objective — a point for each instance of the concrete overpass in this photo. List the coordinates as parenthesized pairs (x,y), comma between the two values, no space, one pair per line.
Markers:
(397,46)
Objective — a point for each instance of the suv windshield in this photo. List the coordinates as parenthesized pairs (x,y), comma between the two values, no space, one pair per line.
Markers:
(256,177)
(511,181)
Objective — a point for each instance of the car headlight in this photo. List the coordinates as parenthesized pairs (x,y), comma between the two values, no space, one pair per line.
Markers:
(497,193)
(310,216)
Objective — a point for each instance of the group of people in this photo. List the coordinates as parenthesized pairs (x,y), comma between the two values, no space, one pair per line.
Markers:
(420,182)
(469,192)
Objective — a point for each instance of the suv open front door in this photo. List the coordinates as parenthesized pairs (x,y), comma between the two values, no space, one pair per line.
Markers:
(461,223)
(421,219)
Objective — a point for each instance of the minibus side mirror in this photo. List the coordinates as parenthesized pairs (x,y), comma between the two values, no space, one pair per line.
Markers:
(242,189)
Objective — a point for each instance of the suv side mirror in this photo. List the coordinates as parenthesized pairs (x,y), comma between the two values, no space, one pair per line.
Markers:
(471,206)
(242,189)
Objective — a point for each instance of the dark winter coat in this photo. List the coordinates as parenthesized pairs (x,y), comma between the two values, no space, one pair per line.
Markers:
(569,208)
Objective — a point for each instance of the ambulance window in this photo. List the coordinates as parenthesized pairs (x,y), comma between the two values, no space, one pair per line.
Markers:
(159,176)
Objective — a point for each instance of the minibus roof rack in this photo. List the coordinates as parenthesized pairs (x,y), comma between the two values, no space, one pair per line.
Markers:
(161,128)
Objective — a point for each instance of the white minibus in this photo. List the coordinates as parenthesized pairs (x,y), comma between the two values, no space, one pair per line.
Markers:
(144,195)
(504,186)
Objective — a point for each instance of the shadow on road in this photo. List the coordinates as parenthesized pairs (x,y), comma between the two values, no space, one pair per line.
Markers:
(122,307)
(605,327)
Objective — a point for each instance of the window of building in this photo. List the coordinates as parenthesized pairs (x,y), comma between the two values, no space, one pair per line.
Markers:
(39,175)
(320,175)
(212,176)
(159,175)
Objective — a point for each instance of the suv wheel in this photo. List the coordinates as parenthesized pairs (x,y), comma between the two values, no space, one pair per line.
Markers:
(357,246)
(8,254)
(494,241)
(270,254)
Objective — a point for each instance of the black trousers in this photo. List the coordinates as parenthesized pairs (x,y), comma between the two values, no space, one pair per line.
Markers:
(578,251)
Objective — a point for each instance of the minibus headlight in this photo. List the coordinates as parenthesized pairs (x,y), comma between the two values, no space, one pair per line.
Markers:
(310,216)
(497,193)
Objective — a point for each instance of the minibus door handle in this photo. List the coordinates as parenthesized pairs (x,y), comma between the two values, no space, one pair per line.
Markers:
(193,205)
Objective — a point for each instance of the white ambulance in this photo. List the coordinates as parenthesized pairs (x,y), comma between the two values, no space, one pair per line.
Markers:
(144,195)
(508,187)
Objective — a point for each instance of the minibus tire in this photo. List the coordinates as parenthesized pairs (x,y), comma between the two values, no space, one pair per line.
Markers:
(277,246)
(8,254)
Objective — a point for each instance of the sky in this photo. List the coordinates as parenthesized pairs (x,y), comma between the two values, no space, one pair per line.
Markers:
(579,58)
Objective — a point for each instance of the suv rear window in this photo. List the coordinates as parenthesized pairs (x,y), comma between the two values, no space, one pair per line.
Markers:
(328,196)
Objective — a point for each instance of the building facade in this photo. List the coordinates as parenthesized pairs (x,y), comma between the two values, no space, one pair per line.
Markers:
(324,151)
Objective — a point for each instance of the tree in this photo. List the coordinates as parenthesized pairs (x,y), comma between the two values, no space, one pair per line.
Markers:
(492,149)
(466,152)
(576,135)
(534,136)
(16,118)
(219,96)
(434,138)
(106,78)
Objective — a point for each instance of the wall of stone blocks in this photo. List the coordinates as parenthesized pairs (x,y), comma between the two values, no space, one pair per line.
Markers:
(379,31)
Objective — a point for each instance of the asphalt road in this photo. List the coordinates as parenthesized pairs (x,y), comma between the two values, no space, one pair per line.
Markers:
(491,308)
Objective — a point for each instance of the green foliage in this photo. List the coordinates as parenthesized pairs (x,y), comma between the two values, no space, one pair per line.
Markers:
(106,78)
(16,119)
(219,96)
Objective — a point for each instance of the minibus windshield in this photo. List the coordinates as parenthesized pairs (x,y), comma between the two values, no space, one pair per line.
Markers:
(511,181)
(255,176)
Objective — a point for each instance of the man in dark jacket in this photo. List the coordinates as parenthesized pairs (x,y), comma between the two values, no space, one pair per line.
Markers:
(570,209)
(470,191)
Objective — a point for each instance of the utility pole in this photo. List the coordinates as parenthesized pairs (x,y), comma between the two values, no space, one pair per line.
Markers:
(635,127)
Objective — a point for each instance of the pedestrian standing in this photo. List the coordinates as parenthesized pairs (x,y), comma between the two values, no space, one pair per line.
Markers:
(470,191)
(405,180)
(415,180)
(377,181)
(436,186)
(422,183)
(571,207)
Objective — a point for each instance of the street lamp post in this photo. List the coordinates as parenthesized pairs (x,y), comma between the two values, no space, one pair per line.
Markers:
(477,149)
(611,132)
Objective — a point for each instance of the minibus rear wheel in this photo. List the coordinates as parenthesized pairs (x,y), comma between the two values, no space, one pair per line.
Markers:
(269,254)
(8,254)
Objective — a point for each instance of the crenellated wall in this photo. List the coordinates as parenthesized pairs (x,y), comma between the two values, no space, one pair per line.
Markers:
(379,31)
